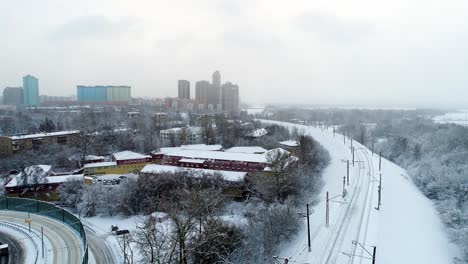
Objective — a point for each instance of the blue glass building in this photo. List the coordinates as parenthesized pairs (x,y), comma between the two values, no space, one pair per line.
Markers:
(104,94)
(31,90)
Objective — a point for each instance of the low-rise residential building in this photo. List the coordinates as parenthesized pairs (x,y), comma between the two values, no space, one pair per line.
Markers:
(181,135)
(37,181)
(93,159)
(216,160)
(124,162)
(248,150)
(234,181)
(228,176)
(290,145)
(157,155)
(10,145)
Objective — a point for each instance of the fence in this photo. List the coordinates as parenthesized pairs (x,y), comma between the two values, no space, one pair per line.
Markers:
(46,209)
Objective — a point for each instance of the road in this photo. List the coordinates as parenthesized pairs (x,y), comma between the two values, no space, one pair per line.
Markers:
(15,249)
(100,252)
(65,244)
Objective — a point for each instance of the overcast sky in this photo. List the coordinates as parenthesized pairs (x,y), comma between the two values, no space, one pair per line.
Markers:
(400,52)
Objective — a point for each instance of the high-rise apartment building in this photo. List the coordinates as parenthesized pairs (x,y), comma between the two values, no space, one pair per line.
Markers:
(13,96)
(31,90)
(104,94)
(184,89)
(230,97)
(202,92)
(216,79)
(214,96)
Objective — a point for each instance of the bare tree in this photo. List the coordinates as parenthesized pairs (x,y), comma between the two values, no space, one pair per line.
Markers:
(279,182)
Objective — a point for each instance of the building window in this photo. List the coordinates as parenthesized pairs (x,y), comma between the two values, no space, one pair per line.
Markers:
(62,140)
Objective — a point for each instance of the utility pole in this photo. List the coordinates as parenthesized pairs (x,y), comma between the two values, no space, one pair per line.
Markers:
(380,161)
(372,147)
(347,171)
(308,226)
(327,212)
(124,250)
(351,143)
(353,155)
(29,222)
(42,240)
(380,192)
(374,255)
(344,184)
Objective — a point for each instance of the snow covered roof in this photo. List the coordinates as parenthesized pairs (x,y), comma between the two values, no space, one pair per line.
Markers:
(219,155)
(233,176)
(189,129)
(188,147)
(202,147)
(93,157)
(40,135)
(64,178)
(42,169)
(259,132)
(197,161)
(277,151)
(248,150)
(100,164)
(112,176)
(290,143)
(129,155)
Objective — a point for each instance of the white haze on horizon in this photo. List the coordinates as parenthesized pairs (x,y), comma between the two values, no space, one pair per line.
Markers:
(403,53)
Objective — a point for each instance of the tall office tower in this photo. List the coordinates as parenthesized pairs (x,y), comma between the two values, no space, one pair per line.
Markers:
(31,90)
(230,97)
(202,92)
(13,96)
(184,89)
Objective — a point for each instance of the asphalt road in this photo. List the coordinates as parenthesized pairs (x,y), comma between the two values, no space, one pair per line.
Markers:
(15,249)
(66,244)
(99,250)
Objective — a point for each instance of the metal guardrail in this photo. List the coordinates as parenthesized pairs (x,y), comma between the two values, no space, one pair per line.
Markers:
(49,210)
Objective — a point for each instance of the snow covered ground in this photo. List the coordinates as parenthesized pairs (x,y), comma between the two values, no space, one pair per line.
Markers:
(460,118)
(406,229)
(101,226)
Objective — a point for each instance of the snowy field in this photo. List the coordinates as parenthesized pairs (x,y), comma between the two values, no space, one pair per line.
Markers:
(460,117)
(406,229)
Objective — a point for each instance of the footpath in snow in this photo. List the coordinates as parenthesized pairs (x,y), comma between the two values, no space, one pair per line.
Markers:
(406,229)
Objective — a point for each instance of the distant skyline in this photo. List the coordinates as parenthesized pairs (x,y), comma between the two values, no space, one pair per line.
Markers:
(324,52)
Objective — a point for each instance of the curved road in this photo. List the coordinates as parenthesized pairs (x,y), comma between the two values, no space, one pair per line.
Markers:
(66,244)
(15,249)
(99,250)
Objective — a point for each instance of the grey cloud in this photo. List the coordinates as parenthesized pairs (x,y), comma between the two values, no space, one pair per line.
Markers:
(333,28)
(96,26)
